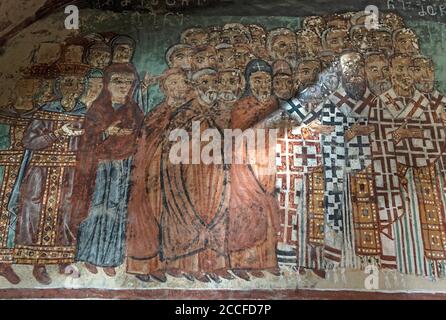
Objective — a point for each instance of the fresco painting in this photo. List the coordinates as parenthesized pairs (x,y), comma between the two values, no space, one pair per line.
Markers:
(102,185)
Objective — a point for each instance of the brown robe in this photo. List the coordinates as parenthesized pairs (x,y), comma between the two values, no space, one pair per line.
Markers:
(144,211)
(178,212)
(254,212)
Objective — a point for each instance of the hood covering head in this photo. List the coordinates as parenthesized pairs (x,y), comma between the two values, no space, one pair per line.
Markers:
(256,65)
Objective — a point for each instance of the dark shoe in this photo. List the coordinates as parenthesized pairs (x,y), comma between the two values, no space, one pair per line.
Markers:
(91,268)
(110,271)
(200,276)
(214,277)
(274,271)
(224,274)
(39,272)
(188,276)
(242,274)
(8,273)
(257,274)
(319,273)
(159,276)
(143,278)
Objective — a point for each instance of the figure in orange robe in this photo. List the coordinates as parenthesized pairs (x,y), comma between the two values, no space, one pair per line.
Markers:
(254,211)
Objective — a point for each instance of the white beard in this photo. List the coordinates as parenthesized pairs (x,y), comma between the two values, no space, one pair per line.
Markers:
(208,97)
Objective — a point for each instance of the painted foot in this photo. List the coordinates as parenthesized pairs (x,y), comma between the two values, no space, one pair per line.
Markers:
(159,276)
(143,278)
(242,274)
(214,277)
(274,271)
(91,268)
(257,274)
(224,274)
(188,276)
(176,273)
(41,275)
(109,271)
(201,276)
(8,273)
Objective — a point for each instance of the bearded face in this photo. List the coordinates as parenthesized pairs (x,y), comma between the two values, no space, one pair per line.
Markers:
(182,58)
(258,37)
(71,88)
(337,40)
(401,75)
(46,91)
(424,75)
(122,53)
(204,59)
(283,86)
(207,88)
(177,87)
(406,44)
(230,86)
(353,75)
(382,40)
(260,84)
(378,74)
(225,58)
(360,39)
(308,45)
(284,47)
(99,59)
(307,73)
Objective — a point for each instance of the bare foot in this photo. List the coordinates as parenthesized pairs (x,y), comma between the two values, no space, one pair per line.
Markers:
(41,275)
(110,271)
(9,273)
(91,268)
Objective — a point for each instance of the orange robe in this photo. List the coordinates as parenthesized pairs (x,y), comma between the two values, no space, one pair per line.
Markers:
(254,211)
